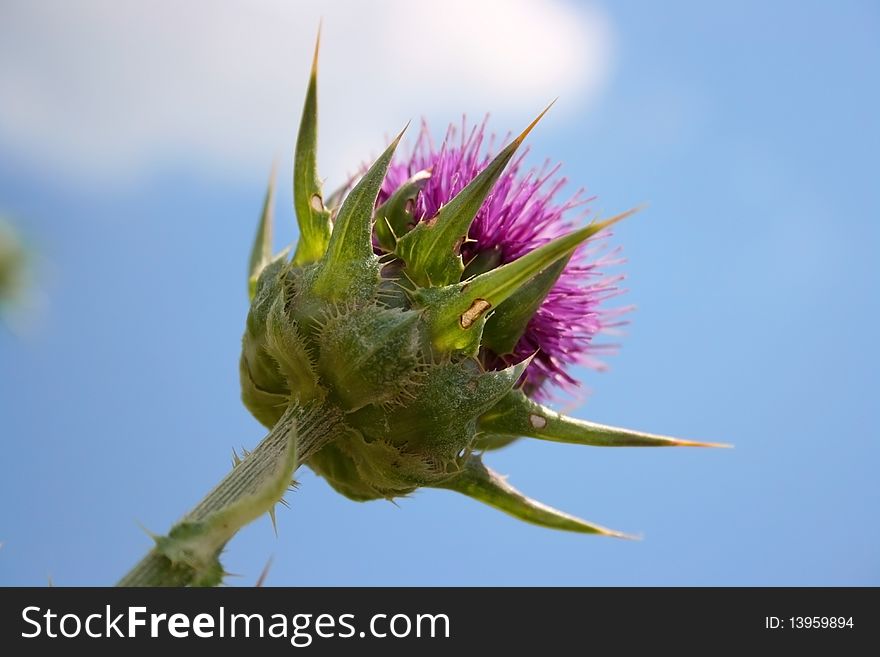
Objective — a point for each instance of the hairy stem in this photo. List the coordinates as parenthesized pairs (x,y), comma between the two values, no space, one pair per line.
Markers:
(188,555)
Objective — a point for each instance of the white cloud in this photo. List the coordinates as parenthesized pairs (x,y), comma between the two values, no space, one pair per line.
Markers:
(106,89)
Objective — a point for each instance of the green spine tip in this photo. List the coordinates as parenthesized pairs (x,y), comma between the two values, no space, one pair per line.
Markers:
(517,415)
(152,535)
(272,517)
(480,483)
(313,218)
(349,267)
(261,252)
(599,226)
(314,70)
(431,250)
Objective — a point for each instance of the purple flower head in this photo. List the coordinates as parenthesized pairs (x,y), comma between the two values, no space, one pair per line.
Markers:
(519,215)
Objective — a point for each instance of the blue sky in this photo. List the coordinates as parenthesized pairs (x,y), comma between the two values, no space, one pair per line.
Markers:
(749,129)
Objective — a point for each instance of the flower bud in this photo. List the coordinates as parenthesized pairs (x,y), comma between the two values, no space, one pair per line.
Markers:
(426,346)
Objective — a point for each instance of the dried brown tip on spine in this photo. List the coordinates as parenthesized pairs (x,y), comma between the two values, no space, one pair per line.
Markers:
(531,125)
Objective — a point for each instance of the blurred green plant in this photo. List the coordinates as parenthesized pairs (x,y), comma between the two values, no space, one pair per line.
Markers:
(13,265)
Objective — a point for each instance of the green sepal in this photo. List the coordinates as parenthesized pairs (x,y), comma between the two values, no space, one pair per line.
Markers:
(482,484)
(368,355)
(456,314)
(440,419)
(432,249)
(264,388)
(339,469)
(313,218)
(422,443)
(286,344)
(261,252)
(517,415)
(394,216)
(349,269)
(266,406)
(261,367)
(370,470)
(507,324)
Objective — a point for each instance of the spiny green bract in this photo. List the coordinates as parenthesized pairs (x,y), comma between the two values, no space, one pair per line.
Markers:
(390,335)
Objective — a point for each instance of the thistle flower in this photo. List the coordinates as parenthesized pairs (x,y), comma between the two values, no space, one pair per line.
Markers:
(411,329)
(428,309)
(520,214)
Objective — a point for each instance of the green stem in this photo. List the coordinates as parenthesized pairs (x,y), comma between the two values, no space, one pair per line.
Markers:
(188,555)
